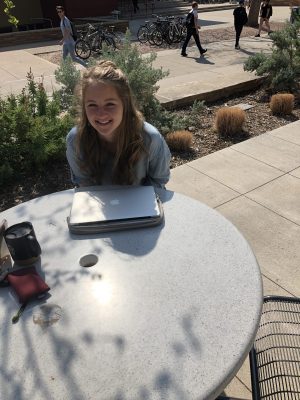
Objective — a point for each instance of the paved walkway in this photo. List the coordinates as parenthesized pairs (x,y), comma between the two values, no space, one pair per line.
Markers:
(208,77)
(217,74)
(255,184)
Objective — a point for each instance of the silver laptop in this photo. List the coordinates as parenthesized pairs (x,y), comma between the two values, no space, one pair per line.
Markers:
(97,208)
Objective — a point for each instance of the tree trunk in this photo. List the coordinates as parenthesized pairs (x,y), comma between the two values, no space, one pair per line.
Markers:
(253,13)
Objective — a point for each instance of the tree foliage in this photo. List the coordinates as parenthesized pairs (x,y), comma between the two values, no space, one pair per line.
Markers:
(8,6)
(282,66)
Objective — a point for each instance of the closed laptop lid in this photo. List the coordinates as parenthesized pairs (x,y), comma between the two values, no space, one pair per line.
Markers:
(98,204)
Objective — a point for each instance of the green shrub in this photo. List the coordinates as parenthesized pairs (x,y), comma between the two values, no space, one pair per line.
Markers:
(68,76)
(143,79)
(32,132)
(196,110)
(282,66)
(198,107)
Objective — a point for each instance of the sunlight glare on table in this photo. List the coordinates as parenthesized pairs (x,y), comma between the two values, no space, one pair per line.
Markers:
(102,291)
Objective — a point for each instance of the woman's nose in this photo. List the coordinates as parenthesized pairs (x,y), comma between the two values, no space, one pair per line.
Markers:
(101,111)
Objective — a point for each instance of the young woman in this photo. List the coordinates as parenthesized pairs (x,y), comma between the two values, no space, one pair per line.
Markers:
(111,143)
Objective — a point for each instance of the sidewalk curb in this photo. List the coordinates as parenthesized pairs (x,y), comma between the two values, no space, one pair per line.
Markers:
(212,95)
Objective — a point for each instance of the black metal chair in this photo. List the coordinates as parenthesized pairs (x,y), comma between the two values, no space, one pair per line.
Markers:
(275,356)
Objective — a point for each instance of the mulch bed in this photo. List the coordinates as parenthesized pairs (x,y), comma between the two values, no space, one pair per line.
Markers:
(206,140)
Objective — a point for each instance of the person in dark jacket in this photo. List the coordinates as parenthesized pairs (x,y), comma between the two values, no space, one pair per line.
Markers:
(265,14)
(135,5)
(240,19)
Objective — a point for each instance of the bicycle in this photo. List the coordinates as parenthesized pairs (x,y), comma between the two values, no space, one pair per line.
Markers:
(165,29)
(93,40)
(177,29)
(161,32)
(82,47)
(145,31)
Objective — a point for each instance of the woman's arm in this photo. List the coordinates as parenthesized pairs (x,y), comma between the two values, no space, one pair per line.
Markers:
(159,162)
(78,177)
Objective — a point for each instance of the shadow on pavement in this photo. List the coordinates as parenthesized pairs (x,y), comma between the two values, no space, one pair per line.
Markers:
(203,22)
(202,60)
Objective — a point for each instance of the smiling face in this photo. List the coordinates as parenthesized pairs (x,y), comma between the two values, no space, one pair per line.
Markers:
(104,109)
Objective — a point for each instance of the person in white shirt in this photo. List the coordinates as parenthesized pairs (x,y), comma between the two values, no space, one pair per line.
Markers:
(67,41)
(192,30)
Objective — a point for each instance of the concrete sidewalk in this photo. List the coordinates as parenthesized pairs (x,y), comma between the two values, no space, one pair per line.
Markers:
(256,185)
(216,75)
(212,76)
(14,66)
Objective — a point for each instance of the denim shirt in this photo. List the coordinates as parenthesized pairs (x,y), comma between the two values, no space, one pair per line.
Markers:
(65,27)
(152,168)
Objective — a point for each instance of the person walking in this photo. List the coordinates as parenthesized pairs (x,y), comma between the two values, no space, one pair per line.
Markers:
(67,41)
(266,12)
(240,19)
(135,5)
(192,30)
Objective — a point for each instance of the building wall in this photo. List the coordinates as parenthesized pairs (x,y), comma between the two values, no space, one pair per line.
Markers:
(77,8)
(89,8)
(25,10)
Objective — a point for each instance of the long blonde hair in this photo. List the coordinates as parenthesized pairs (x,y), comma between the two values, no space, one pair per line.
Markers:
(129,147)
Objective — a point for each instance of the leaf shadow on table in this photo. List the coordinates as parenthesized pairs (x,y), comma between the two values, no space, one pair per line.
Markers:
(164,384)
(12,382)
(32,363)
(168,384)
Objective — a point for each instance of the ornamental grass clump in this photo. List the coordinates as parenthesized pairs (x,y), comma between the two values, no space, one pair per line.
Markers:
(282,103)
(229,121)
(180,140)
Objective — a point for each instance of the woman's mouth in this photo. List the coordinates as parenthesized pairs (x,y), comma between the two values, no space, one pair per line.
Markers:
(104,123)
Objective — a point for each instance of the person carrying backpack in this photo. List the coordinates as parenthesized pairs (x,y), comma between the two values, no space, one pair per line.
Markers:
(240,19)
(67,41)
(192,30)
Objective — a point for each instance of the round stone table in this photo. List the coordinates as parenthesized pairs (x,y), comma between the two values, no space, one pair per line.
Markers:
(167,312)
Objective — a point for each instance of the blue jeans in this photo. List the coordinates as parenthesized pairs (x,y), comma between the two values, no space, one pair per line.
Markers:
(69,48)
